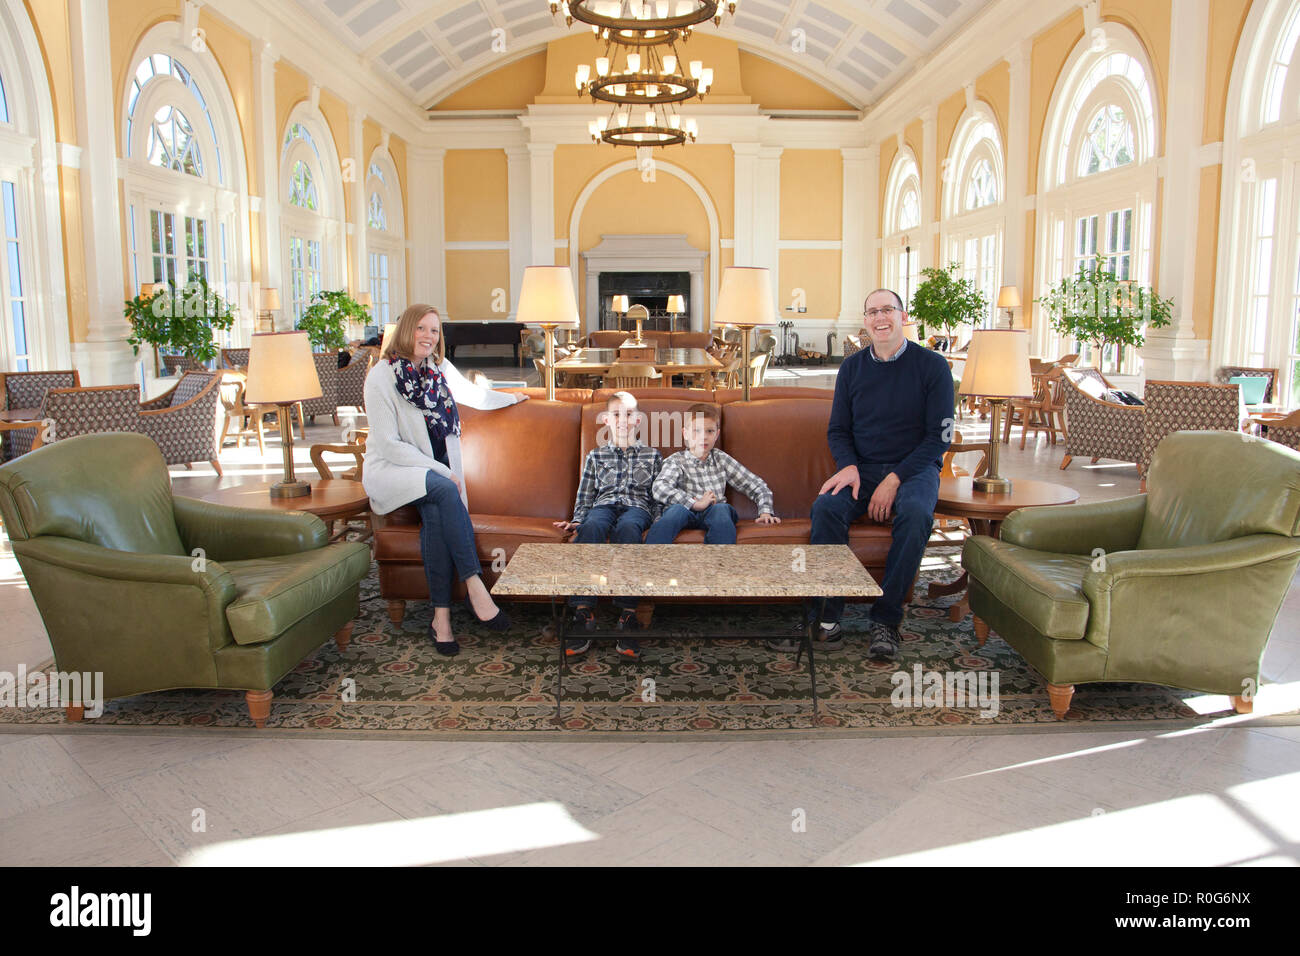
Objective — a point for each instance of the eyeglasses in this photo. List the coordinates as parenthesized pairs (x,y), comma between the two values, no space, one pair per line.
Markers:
(884,310)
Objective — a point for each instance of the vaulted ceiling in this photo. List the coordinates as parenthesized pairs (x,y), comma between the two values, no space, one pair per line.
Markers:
(857,48)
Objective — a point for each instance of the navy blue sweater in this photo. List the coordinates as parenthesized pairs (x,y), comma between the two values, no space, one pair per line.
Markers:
(887,413)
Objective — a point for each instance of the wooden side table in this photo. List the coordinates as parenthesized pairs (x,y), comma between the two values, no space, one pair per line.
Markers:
(986,511)
(331,499)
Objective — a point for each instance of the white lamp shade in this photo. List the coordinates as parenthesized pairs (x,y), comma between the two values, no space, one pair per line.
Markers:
(365,299)
(546,297)
(268,300)
(1009,297)
(281,370)
(745,298)
(676,304)
(389,329)
(618,303)
(909,332)
(997,365)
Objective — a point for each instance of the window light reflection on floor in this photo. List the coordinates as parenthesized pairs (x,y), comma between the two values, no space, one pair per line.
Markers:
(440,839)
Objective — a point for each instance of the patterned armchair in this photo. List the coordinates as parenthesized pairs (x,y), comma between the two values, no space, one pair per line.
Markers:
(1228,371)
(27,390)
(235,358)
(327,370)
(352,381)
(181,363)
(183,420)
(1187,406)
(90,411)
(1286,431)
(1096,427)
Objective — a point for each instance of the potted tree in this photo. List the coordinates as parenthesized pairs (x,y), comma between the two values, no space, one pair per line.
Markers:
(943,301)
(1096,308)
(326,319)
(184,320)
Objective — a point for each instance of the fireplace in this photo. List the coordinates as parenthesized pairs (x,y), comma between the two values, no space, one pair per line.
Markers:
(650,289)
(647,269)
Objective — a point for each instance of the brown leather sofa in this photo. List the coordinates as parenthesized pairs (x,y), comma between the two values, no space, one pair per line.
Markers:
(522,466)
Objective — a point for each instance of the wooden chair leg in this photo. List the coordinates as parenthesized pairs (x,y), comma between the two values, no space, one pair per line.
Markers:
(261,437)
(396,611)
(981,631)
(1059,696)
(74,712)
(1065,462)
(216,466)
(1243,705)
(343,635)
(259,705)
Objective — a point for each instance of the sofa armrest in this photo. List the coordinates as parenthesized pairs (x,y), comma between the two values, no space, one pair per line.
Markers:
(227,533)
(1113,525)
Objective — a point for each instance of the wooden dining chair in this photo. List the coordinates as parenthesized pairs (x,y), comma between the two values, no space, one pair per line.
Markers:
(1021,410)
(633,376)
(357,449)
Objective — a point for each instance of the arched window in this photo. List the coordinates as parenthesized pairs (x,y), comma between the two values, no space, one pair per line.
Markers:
(184,169)
(313,210)
(1098,179)
(33,312)
(902,252)
(1257,300)
(385,240)
(974,176)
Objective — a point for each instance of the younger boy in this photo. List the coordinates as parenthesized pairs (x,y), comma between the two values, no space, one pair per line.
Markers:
(692,485)
(613,504)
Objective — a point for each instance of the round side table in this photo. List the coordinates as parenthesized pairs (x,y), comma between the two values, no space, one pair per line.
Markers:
(331,499)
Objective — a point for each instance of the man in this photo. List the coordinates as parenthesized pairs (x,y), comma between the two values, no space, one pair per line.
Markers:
(891,422)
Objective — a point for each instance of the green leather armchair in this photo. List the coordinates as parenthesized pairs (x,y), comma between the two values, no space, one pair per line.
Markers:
(159,592)
(1186,585)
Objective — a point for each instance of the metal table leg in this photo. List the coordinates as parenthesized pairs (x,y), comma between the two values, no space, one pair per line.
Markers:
(557,625)
(807,642)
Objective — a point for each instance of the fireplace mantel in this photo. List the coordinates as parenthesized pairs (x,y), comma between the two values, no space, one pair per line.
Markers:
(644,253)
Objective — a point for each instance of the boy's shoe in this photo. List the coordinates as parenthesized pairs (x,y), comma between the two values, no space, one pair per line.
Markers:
(830,639)
(575,647)
(883,642)
(627,620)
(628,648)
(584,617)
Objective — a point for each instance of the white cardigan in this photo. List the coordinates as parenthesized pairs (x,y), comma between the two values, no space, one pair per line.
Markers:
(398,450)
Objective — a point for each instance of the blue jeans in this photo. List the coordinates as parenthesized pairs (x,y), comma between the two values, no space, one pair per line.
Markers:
(914,506)
(617,524)
(446,538)
(718,521)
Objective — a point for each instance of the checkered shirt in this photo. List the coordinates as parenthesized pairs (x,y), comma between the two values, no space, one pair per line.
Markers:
(618,476)
(684,478)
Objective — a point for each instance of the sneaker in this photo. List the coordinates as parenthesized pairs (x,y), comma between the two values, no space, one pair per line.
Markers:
(830,639)
(883,642)
(628,648)
(584,617)
(574,648)
(627,620)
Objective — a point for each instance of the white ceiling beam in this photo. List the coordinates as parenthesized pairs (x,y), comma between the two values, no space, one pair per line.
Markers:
(417,22)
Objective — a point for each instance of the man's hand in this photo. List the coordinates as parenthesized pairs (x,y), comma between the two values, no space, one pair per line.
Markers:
(882,501)
(767,518)
(846,477)
(704,501)
(565,526)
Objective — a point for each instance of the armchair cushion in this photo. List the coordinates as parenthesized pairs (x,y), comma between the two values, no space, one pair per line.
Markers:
(227,533)
(1044,588)
(1077,529)
(276,593)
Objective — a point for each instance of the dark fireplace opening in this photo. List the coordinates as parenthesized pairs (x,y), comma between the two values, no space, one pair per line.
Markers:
(650,289)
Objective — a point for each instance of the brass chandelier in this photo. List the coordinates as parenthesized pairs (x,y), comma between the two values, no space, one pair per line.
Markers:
(647,85)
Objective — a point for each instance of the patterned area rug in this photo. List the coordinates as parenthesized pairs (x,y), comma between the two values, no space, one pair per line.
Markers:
(390,682)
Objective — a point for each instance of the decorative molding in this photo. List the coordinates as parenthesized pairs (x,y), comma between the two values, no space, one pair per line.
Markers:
(482,245)
(969,89)
(1210,154)
(69,155)
(810,244)
(313,95)
(255,204)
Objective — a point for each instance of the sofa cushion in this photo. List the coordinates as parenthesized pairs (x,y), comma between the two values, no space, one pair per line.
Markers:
(601,395)
(784,443)
(725,396)
(1043,587)
(401,542)
(522,460)
(276,593)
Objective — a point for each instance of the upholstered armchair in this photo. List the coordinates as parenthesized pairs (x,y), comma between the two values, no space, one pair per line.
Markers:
(236,359)
(1187,406)
(175,364)
(352,381)
(1228,371)
(1179,586)
(27,390)
(159,592)
(183,420)
(89,411)
(1286,431)
(327,370)
(1098,428)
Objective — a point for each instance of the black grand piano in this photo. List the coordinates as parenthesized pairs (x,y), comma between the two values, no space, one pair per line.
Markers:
(474,332)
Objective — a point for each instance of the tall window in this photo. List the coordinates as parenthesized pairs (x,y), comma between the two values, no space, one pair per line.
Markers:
(379,286)
(973,189)
(1257,305)
(15,297)
(902,222)
(313,205)
(1099,181)
(384,236)
(304,273)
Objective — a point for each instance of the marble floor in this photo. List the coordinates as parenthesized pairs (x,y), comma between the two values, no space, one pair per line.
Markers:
(1026,798)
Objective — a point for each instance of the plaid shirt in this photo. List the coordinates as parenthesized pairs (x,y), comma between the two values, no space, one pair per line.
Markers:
(684,478)
(617,476)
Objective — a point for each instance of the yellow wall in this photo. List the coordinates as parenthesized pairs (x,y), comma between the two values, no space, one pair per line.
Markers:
(473,278)
(512,87)
(1227,17)
(234,56)
(1207,243)
(475,195)
(774,87)
(812,190)
(50,20)
(817,273)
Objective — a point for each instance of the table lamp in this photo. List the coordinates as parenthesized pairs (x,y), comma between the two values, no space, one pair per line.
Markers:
(618,305)
(389,329)
(281,372)
(745,301)
(910,333)
(676,306)
(1009,299)
(640,313)
(997,369)
(268,301)
(546,299)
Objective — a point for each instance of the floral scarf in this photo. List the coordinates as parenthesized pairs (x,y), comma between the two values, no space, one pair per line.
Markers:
(426,388)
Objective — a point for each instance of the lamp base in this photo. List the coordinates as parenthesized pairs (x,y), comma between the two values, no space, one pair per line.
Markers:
(290,489)
(992,485)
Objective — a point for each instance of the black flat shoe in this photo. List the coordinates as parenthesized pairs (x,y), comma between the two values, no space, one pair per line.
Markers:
(447,648)
(499,623)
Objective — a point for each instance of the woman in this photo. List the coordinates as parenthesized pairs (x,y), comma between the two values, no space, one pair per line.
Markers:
(413,457)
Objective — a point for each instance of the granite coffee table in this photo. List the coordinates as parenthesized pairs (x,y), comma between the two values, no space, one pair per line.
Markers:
(742,571)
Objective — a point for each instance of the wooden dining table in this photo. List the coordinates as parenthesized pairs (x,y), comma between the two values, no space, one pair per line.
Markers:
(666,361)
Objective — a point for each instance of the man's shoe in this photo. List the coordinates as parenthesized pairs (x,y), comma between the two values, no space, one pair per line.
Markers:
(628,648)
(574,648)
(883,642)
(830,639)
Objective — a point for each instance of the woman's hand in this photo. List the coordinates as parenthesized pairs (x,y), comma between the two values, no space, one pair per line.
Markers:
(767,518)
